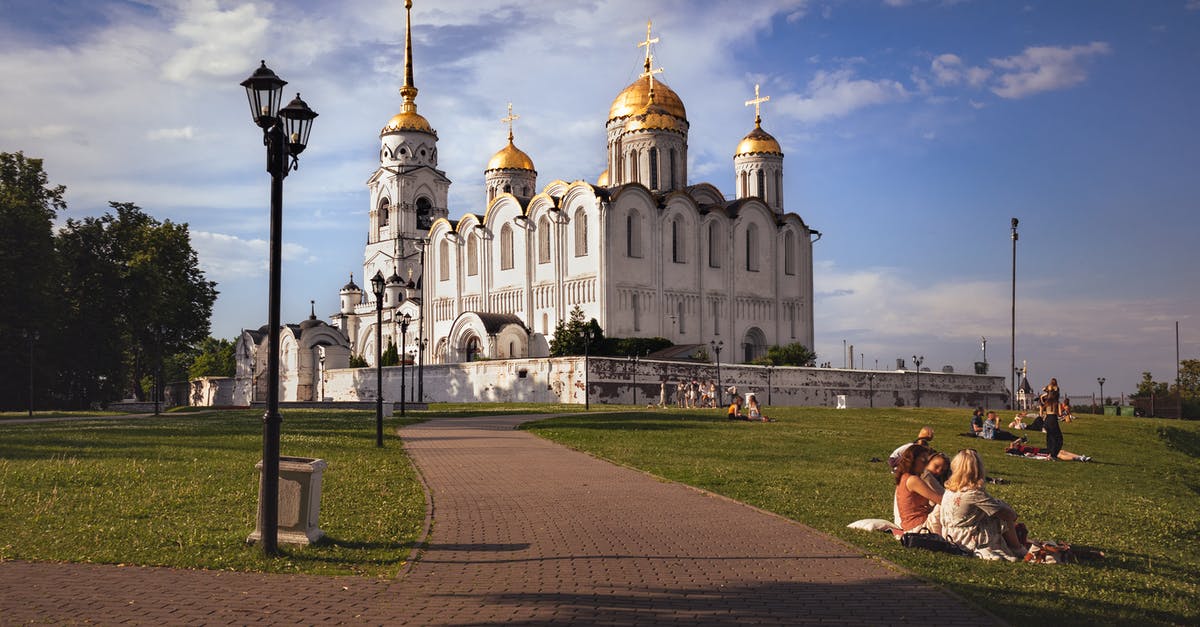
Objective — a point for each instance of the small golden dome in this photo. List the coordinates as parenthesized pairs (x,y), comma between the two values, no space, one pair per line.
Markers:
(636,96)
(758,142)
(510,158)
(407,121)
(602,180)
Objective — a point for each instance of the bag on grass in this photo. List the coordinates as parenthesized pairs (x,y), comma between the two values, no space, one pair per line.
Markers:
(925,539)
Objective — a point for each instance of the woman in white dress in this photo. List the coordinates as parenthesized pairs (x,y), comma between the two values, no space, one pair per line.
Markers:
(973,519)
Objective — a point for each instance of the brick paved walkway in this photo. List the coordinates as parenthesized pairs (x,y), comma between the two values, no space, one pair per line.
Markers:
(526,531)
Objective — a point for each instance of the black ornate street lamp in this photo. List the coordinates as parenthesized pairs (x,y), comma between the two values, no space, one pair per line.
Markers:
(421,346)
(404,322)
(377,286)
(587,384)
(285,134)
(770,369)
(871,385)
(717,346)
(633,363)
(1101,381)
(918,361)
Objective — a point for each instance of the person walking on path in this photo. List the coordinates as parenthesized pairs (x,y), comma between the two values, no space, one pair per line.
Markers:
(1050,402)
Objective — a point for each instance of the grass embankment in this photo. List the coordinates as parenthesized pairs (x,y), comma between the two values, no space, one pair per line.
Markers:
(182,491)
(1137,502)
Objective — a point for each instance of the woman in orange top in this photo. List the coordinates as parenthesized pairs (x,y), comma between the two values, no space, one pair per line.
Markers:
(914,498)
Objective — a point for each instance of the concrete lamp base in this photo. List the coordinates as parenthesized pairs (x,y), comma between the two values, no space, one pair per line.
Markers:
(299,501)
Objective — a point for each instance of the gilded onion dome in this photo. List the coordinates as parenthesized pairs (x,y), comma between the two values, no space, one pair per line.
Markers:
(407,121)
(655,117)
(635,98)
(758,141)
(510,158)
(602,180)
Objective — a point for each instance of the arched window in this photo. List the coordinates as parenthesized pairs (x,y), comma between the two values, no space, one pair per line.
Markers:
(633,234)
(543,229)
(506,248)
(581,234)
(384,211)
(682,318)
(507,188)
(714,245)
(677,255)
(654,168)
(491,193)
(424,213)
(778,189)
(789,253)
(444,261)
(716,317)
(762,177)
(472,255)
(637,317)
(634,174)
(672,164)
(745,189)
(752,248)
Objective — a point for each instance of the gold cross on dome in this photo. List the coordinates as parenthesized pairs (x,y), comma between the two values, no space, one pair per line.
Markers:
(758,100)
(646,44)
(512,117)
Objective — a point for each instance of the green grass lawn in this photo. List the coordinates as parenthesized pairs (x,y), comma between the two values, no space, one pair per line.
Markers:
(182,491)
(1137,502)
(16,415)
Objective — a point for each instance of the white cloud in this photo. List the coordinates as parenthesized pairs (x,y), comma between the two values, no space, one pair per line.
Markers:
(949,69)
(221,43)
(1044,68)
(225,257)
(185,132)
(838,93)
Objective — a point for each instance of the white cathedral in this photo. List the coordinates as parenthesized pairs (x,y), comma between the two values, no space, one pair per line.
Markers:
(642,250)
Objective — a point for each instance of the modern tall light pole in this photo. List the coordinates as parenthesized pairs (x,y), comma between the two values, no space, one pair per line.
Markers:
(285,134)
(31,337)
(1013,346)
(404,322)
(717,346)
(378,283)
(1101,381)
(918,361)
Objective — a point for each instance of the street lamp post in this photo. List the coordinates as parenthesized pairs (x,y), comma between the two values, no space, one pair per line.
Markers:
(1013,345)
(717,346)
(770,369)
(587,384)
(633,363)
(1101,381)
(404,322)
(421,346)
(377,286)
(285,134)
(871,387)
(918,361)
(31,337)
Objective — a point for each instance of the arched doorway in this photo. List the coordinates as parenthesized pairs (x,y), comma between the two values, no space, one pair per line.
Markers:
(472,347)
(754,344)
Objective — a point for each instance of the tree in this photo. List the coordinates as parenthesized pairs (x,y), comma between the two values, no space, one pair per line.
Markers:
(28,275)
(358,361)
(569,335)
(390,356)
(795,354)
(214,358)
(1149,387)
(1189,378)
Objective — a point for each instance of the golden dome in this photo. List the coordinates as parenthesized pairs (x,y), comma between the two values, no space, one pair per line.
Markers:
(636,96)
(758,142)
(602,180)
(510,158)
(407,121)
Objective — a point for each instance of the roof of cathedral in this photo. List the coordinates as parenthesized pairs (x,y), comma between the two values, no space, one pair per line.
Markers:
(510,158)
(634,98)
(351,287)
(758,141)
(407,121)
(494,322)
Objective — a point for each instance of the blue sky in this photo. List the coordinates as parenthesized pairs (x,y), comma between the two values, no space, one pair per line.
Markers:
(914,130)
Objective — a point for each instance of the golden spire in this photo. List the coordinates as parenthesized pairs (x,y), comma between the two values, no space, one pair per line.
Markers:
(648,72)
(408,91)
(758,100)
(512,117)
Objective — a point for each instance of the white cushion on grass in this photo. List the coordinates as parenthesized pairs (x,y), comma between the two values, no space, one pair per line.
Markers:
(872,524)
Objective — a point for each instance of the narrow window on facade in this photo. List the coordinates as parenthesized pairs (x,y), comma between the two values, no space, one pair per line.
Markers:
(778,189)
(384,212)
(716,317)
(752,248)
(675,241)
(762,178)
(637,318)
(792,320)
(545,324)
(581,233)
(507,188)
(634,173)
(543,228)
(745,189)
(672,164)
(789,253)
(424,213)
(714,246)
(472,256)
(506,248)
(444,260)
(653,168)
(682,319)
(491,193)
(633,234)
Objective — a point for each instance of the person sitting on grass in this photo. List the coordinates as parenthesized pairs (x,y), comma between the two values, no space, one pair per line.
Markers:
(977,424)
(973,519)
(735,408)
(937,471)
(992,430)
(1018,422)
(754,411)
(924,436)
(1019,449)
(914,498)
(1064,411)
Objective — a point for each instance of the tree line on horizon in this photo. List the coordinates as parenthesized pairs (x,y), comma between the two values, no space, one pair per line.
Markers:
(98,308)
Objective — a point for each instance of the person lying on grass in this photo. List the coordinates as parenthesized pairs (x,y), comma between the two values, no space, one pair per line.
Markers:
(973,519)
(914,498)
(1019,449)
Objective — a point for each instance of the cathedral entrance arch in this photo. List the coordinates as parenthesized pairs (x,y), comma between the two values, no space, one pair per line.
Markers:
(477,335)
(754,344)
